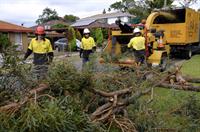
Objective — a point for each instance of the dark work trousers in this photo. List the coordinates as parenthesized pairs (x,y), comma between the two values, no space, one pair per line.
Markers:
(86,55)
(40,72)
(139,56)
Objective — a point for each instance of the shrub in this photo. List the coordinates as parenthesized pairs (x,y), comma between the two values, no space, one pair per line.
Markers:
(78,35)
(105,33)
(99,37)
(71,36)
(4,42)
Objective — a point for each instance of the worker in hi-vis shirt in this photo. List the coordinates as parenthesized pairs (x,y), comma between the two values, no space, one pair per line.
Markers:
(138,44)
(43,53)
(87,46)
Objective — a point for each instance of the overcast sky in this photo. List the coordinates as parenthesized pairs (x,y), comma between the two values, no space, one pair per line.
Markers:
(27,11)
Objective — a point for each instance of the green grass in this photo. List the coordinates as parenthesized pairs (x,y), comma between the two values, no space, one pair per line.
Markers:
(167,100)
(192,66)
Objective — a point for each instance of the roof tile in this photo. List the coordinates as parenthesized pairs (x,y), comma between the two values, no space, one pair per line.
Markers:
(9,27)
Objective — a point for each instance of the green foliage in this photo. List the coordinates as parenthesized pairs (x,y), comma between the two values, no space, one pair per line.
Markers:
(145,119)
(71,36)
(59,26)
(65,77)
(105,33)
(187,66)
(62,114)
(139,8)
(47,15)
(78,35)
(99,36)
(4,42)
(65,112)
(11,57)
(190,109)
(92,33)
(119,5)
(71,18)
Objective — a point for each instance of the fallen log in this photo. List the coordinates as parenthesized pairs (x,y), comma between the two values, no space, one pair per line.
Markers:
(39,89)
(99,110)
(192,79)
(111,94)
(16,106)
(181,87)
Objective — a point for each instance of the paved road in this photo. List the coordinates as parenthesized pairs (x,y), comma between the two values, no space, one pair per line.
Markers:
(77,62)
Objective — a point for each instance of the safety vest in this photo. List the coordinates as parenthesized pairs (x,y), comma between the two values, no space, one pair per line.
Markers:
(138,43)
(40,50)
(87,43)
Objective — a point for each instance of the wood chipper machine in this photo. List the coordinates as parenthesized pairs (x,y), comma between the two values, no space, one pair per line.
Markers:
(156,49)
(181,27)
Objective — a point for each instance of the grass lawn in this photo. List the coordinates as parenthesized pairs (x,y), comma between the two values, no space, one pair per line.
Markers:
(192,66)
(166,100)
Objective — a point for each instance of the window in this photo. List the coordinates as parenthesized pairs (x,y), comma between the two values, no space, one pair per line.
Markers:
(18,40)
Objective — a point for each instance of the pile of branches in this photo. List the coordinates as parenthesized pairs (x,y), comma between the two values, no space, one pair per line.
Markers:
(111,92)
(177,81)
(114,108)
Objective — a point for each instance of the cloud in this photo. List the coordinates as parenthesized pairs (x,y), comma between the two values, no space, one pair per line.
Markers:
(27,11)
(180,3)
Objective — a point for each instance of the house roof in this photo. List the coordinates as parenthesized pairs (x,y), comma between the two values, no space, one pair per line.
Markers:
(54,22)
(110,15)
(9,27)
(89,20)
(51,23)
(97,24)
(82,22)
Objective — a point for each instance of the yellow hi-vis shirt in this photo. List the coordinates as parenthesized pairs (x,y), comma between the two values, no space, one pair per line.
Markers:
(138,43)
(40,47)
(87,43)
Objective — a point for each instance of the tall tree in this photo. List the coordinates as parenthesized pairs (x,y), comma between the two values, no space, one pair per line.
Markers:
(71,37)
(47,15)
(78,35)
(71,18)
(140,8)
(99,36)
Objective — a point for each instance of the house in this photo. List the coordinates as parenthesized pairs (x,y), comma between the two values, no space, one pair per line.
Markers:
(50,24)
(18,35)
(105,19)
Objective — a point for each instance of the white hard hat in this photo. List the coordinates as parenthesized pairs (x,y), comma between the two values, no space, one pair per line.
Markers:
(136,30)
(86,31)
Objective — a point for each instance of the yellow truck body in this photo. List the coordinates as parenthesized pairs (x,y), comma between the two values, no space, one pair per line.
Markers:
(181,26)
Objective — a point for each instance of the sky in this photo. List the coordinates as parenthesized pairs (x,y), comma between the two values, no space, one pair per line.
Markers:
(28,11)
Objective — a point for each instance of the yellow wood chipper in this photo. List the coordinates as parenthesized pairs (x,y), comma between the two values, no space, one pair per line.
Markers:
(166,32)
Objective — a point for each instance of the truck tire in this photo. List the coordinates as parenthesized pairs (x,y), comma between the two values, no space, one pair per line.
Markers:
(188,54)
(163,63)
